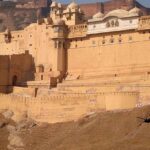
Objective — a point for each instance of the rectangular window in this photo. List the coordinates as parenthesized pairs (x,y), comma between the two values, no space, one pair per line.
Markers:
(56,29)
(131,21)
(103,41)
(93,42)
(41,77)
(94,26)
(130,38)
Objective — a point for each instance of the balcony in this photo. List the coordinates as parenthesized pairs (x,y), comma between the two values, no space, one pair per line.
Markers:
(58,33)
(77,31)
(144,23)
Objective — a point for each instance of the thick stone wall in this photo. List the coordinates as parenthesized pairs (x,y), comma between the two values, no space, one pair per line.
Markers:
(61,107)
(129,56)
(15,69)
(4,74)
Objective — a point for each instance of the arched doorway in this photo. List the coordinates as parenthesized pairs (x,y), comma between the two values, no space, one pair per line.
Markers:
(14,80)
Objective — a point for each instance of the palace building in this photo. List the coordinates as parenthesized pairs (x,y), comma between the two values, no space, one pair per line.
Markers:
(67,53)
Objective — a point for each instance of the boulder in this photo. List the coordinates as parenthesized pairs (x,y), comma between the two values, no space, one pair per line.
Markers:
(8,114)
(15,140)
(3,123)
(25,124)
(11,128)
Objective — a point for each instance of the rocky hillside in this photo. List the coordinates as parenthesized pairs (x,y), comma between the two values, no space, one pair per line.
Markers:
(103,131)
(18,15)
(17,18)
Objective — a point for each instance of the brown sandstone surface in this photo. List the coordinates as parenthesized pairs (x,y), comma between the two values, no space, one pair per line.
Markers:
(103,131)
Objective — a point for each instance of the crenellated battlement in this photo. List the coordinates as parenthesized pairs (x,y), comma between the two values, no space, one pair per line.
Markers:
(67,107)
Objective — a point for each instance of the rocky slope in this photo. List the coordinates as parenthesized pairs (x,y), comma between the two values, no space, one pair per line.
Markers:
(106,131)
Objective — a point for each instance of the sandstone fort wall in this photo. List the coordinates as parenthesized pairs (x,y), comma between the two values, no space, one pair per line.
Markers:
(60,107)
(90,54)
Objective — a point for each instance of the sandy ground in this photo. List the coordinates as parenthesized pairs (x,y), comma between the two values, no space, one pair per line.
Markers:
(3,135)
(103,131)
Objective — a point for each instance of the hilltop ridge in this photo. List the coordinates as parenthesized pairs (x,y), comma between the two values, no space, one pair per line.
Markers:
(18,15)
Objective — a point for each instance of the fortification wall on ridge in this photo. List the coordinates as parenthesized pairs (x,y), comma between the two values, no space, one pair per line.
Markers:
(62,108)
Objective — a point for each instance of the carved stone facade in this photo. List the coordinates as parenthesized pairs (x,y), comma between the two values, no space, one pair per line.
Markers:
(59,51)
(77,31)
(144,23)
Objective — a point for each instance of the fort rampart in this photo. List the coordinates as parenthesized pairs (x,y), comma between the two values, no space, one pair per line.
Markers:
(61,107)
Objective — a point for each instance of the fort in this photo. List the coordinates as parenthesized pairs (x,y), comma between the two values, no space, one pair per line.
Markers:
(66,66)
(16,15)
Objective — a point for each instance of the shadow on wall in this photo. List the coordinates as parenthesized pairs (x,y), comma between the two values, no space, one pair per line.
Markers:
(15,70)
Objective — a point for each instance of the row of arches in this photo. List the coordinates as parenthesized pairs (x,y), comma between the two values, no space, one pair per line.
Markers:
(112,23)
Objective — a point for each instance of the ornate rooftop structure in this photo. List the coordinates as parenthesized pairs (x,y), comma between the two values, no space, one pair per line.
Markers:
(104,7)
(24,12)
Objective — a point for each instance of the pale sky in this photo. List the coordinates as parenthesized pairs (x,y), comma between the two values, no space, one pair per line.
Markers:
(144,2)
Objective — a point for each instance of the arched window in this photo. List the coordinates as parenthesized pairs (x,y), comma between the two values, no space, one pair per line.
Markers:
(93,42)
(59,44)
(111,40)
(130,21)
(41,68)
(112,23)
(108,24)
(120,39)
(103,41)
(94,26)
(41,77)
(117,23)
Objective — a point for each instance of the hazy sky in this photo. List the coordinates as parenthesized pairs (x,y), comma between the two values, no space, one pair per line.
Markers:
(144,2)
